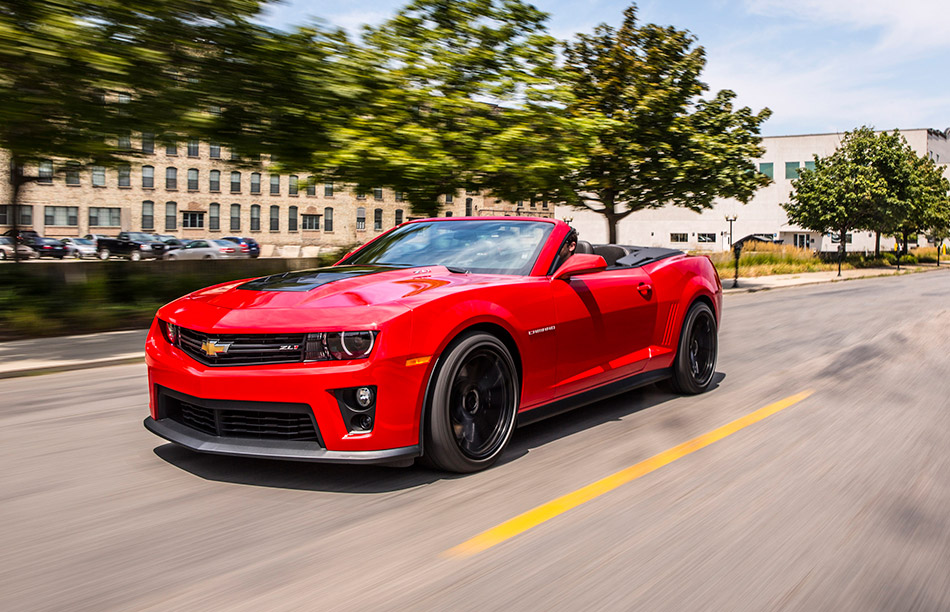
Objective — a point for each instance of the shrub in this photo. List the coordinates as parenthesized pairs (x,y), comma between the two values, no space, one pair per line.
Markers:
(909,260)
(891,258)
(925,254)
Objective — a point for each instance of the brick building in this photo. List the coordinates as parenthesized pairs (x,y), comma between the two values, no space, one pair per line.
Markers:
(195,190)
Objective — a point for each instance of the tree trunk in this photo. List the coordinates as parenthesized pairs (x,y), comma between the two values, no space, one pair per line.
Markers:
(877,245)
(906,239)
(16,181)
(841,248)
(939,246)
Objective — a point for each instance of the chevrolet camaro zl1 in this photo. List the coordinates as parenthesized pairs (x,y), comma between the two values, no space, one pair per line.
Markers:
(435,339)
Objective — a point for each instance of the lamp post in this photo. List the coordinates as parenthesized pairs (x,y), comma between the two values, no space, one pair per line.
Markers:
(736,249)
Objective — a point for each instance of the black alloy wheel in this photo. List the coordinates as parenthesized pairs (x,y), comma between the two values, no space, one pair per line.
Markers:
(695,362)
(474,405)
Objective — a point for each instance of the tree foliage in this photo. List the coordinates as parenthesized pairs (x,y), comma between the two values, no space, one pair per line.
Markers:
(458,88)
(656,141)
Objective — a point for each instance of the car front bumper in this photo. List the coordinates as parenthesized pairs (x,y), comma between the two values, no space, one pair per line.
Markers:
(306,388)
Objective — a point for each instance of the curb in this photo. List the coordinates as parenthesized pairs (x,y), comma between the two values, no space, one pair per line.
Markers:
(757,288)
(68,367)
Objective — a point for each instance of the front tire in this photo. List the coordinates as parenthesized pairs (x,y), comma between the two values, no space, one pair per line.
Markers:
(104,254)
(473,406)
(695,362)
(135,256)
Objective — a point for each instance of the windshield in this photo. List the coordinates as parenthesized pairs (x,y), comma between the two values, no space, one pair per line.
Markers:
(487,247)
(139,237)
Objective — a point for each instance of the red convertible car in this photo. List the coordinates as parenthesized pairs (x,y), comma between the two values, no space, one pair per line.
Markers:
(436,339)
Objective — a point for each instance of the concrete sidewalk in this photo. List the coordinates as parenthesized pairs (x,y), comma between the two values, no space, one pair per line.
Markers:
(44,355)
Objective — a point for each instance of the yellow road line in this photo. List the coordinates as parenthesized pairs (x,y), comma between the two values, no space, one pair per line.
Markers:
(533,518)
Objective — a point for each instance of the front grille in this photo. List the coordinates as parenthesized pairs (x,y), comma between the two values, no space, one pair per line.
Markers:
(245,420)
(242,349)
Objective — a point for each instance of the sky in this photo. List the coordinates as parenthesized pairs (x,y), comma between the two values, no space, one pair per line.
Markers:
(819,65)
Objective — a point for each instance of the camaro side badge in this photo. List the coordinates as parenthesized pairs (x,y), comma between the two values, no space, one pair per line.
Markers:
(213,347)
(541,330)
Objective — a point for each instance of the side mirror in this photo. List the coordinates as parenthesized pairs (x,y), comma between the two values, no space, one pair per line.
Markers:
(580,264)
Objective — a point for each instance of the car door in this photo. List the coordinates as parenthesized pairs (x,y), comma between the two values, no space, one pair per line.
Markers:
(604,326)
(194,250)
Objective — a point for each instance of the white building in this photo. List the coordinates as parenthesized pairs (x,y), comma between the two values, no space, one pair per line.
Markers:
(684,229)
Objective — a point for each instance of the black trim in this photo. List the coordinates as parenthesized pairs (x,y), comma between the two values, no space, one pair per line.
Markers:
(305,280)
(593,395)
(264,449)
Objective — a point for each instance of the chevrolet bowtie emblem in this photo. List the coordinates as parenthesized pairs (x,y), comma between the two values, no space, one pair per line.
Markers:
(213,347)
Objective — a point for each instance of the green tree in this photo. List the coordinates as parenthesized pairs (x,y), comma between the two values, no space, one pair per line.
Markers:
(454,90)
(839,195)
(655,140)
(77,76)
(927,202)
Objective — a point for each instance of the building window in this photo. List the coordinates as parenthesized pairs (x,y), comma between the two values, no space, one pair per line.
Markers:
(448,213)
(171,149)
(328,190)
(311,187)
(45,174)
(275,184)
(706,238)
(125,176)
(360,218)
(123,98)
(836,238)
(468,207)
(25,212)
(192,179)
(171,178)
(192,220)
(255,217)
(310,222)
(398,196)
(679,237)
(398,216)
(214,180)
(148,177)
(214,150)
(235,182)
(171,216)
(360,194)
(378,219)
(105,217)
(275,218)
(378,194)
(214,216)
(292,219)
(235,156)
(192,148)
(292,184)
(125,142)
(768,169)
(328,219)
(66,216)
(255,182)
(148,215)
(791,170)
(72,173)
(235,217)
(810,165)
(98,176)
(449,198)
(148,143)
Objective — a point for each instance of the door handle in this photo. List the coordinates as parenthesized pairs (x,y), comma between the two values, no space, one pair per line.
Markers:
(646,290)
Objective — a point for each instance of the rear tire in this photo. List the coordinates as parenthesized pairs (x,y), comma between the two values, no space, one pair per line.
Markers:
(473,406)
(695,363)
(104,254)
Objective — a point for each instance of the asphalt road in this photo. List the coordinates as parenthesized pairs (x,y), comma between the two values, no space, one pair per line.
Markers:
(838,502)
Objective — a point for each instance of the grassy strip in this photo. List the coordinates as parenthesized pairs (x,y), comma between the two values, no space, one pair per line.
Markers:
(766,259)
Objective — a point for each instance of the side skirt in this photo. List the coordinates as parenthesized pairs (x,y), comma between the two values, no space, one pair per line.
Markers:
(593,395)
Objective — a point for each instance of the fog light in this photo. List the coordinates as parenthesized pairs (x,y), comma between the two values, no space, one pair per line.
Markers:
(365,422)
(364,397)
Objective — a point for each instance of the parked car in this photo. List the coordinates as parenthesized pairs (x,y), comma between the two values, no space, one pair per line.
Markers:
(171,243)
(21,235)
(134,245)
(207,249)
(46,247)
(79,247)
(248,245)
(456,329)
(6,249)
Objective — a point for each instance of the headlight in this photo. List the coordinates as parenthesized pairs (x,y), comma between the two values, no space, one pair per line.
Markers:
(169,331)
(333,346)
(146,247)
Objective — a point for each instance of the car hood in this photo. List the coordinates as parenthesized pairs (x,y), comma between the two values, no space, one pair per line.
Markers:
(318,299)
